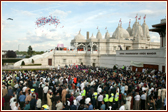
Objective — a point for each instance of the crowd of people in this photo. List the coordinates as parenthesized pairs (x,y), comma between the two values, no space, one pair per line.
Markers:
(84,88)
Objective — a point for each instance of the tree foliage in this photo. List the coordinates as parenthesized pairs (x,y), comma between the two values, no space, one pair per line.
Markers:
(10,54)
(30,51)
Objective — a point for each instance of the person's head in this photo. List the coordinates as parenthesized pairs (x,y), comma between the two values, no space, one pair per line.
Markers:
(58,101)
(42,108)
(151,101)
(14,100)
(16,104)
(33,97)
(158,97)
(90,103)
(102,102)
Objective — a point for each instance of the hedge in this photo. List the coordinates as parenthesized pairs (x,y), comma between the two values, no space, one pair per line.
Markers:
(8,60)
(32,65)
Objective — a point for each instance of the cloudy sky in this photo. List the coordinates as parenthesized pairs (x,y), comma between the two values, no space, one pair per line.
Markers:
(22,30)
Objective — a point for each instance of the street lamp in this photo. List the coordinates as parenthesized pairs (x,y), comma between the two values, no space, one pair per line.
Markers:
(18,47)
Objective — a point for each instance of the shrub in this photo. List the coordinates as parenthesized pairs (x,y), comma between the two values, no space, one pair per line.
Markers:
(33,65)
(8,60)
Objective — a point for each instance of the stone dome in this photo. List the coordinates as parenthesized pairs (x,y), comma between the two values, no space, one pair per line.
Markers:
(120,33)
(134,27)
(107,36)
(138,34)
(145,29)
(129,29)
(99,35)
(79,36)
(92,37)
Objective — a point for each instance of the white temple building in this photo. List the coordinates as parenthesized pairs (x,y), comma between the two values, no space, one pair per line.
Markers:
(123,47)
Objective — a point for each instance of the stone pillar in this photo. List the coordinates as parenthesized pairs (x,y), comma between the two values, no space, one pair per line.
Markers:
(87,35)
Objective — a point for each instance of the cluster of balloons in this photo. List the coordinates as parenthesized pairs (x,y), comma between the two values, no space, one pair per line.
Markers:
(45,20)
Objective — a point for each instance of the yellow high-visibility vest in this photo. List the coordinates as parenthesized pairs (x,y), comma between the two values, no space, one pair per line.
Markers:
(84,92)
(95,94)
(106,98)
(111,98)
(116,98)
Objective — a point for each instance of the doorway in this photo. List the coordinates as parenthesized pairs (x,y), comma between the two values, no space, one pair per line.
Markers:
(163,68)
(94,64)
(50,62)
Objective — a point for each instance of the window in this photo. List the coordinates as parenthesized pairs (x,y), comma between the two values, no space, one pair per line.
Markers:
(94,60)
(114,48)
(80,60)
(64,60)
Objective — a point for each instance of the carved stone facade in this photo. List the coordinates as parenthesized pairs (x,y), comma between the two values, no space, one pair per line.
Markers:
(89,50)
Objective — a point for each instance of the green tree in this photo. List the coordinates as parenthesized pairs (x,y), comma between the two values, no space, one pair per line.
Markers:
(30,51)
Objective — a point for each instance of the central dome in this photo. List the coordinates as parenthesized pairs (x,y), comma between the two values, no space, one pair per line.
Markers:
(79,36)
(120,33)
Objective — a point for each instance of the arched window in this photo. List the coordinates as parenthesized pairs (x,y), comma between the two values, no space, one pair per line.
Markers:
(80,48)
(94,48)
(88,48)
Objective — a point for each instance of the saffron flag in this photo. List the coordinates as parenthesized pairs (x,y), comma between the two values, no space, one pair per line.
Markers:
(145,16)
(139,18)
(120,20)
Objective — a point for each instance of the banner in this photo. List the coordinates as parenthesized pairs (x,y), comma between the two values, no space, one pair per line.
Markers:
(60,45)
(136,64)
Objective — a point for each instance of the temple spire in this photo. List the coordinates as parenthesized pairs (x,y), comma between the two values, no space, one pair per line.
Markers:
(144,18)
(129,22)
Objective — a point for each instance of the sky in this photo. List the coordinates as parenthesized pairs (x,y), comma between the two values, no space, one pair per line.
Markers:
(19,33)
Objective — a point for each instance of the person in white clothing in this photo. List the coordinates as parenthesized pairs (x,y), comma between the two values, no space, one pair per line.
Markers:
(45,90)
(79,97)
(23,89)
(87,100)
(99,89)
(128,102)
(13,104)
(137,100)
(82,85)
(38,103)
(16,107)
(122,106)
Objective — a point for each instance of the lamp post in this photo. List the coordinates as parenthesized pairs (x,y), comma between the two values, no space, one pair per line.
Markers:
(18,47)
